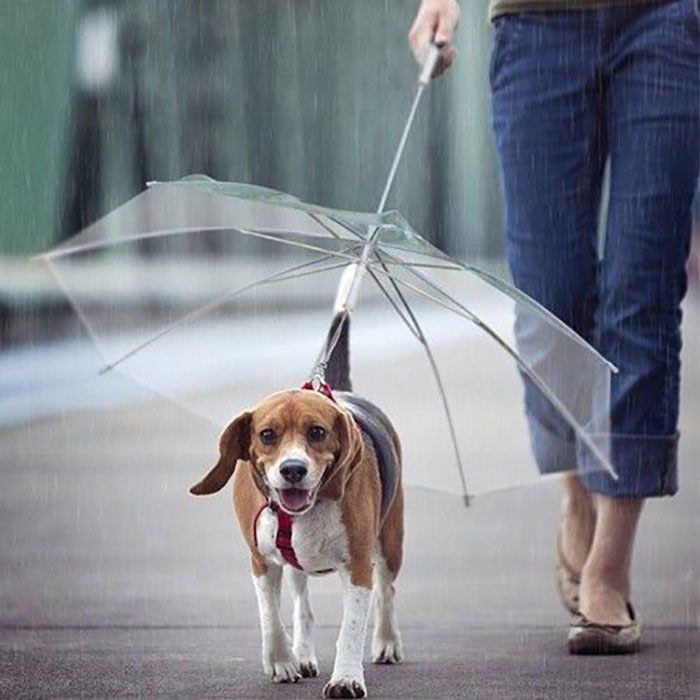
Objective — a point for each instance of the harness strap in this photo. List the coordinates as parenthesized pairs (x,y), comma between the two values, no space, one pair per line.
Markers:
(283,539)
(324,389)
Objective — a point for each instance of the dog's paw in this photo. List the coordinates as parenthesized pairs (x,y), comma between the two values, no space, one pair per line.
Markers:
(387,651)
(282,669)
(345,687)
(308,667)
(285,672)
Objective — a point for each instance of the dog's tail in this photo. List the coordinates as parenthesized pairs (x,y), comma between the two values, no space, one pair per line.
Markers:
(338,367)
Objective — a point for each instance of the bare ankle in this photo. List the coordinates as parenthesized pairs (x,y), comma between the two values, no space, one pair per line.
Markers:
(575,493)
(578,522)
(594,575)
(604,600)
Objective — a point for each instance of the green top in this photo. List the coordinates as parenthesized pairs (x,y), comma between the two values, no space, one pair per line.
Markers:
(502,7)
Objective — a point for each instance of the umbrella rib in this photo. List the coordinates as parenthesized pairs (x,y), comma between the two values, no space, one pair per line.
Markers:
(519,296)
(395,261)
(338,254)
(96,245)
(515,294)
(429,266)
(418,333)
(334,266)
(317,218)
(438,377)
(78,310)
(203,310)
(294,232)
(435,252)
(351,229)
(414,331)
(539,383)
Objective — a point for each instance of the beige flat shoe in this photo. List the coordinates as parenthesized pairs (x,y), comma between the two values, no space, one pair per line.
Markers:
(586,637)
(568,581)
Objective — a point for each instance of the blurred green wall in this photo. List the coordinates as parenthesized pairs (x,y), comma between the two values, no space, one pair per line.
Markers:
(307,96)
(36,55)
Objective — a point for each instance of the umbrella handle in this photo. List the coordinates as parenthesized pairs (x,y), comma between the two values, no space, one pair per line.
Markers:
(348,288)
(430,63)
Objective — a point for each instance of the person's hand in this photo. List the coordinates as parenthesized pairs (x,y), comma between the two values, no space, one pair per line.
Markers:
(436,21)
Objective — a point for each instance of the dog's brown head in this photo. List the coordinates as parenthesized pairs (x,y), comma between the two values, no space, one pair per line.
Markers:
(299,443)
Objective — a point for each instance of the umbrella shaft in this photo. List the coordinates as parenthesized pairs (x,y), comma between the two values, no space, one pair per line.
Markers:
(350,294)
(350,282)
(400,149)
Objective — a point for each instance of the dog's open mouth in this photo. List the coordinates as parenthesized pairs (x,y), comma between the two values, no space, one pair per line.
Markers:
(295,500)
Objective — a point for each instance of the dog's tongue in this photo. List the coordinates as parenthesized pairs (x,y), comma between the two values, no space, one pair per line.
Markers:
(294,499)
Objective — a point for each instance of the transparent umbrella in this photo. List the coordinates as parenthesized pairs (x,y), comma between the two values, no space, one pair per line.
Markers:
(215,294)
(230,302)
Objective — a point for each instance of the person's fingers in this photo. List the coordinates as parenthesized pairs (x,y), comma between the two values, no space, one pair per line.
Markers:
(447,23)
(448,56)
(422,31)
(436,21)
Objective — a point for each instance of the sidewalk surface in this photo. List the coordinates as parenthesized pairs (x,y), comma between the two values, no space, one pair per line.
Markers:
(115,582)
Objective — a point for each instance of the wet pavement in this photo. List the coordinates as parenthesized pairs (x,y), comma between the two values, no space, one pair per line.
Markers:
(115,582)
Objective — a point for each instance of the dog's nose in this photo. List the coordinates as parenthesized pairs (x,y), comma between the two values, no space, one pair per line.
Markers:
(293,470)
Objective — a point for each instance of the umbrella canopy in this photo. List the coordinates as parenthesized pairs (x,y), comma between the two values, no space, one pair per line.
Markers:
(234,289)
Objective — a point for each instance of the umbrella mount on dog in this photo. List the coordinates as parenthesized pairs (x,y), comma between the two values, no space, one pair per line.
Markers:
(241,279)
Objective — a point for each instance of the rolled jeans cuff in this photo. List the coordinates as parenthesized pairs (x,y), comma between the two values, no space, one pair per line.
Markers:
(647,465)
(553,451)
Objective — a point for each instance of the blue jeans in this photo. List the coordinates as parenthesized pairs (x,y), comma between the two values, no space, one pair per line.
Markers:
(570,90)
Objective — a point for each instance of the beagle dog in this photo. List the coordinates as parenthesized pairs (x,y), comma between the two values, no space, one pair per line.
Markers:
(316,490)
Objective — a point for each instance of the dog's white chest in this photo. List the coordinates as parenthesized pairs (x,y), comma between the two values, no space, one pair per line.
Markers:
(319,538)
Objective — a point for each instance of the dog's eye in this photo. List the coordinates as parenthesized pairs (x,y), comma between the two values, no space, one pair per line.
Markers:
(316,433)
(268,436)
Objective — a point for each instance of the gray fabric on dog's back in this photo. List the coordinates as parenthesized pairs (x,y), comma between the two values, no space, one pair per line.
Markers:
(377,426)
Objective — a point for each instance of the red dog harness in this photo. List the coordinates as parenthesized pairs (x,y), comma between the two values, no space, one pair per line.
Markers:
(283,539)
(324,389)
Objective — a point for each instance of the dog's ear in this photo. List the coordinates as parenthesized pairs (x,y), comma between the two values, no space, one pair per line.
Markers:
(350,454)
(233,445)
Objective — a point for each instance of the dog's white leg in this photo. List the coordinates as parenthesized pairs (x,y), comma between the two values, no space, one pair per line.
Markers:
(387,647)
(277,657)
(303,626)
(348,680)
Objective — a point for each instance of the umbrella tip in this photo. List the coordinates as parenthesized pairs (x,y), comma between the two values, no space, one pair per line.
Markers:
(467,500)
(105,369)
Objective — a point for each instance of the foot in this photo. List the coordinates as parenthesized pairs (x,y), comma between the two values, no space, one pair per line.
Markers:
(605,578)
(587,637)
(601,601)
(387,650)
(281,666)
(345,687)
(308,667)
